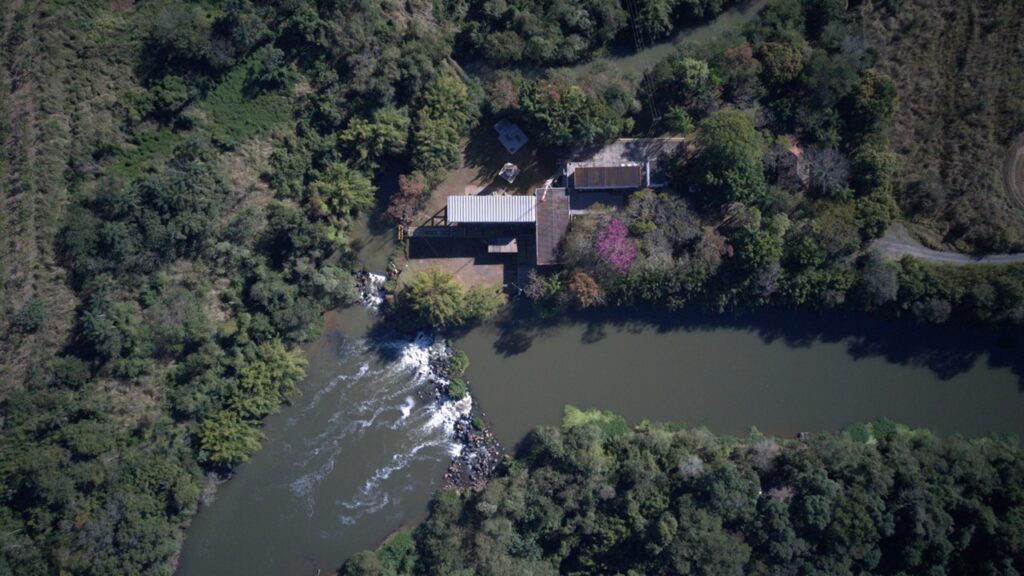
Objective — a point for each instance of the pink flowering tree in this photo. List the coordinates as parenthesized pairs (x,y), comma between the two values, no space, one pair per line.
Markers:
(615,246)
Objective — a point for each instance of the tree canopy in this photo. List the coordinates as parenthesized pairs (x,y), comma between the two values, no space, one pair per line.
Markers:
(595,496)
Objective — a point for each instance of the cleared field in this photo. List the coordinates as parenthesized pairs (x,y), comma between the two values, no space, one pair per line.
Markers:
(957,65)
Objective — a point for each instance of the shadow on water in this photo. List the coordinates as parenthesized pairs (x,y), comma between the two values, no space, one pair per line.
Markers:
(947,351)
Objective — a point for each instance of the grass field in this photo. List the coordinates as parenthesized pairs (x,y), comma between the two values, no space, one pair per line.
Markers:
(958,68)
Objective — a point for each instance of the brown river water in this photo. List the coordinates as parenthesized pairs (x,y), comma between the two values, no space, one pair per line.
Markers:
(359,454)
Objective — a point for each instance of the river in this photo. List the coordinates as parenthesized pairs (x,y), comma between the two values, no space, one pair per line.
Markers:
(359,454)
(631,61)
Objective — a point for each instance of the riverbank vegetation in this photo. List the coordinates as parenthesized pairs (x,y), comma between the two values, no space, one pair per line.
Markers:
(596,496)
(435,299)
(184,175)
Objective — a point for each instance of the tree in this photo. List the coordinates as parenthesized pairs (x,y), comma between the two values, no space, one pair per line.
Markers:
(879,282)
(385,134)
(410,196)
(583,291)
(693,80)
(170,94)
(270,68)
(29,318)
(563,114)
(781,63)
(728,167)
(267,379)
(226,439)
(435,298)
(484,302)
(759,243)
(444,117)
(821,13)
(178,34)
(436,144)
(873,103)
(679,120)
(615,247)
(828,171)
(655,17)
(344,191)
(873,167)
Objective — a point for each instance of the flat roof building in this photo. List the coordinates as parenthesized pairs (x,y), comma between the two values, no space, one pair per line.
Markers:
(625,176)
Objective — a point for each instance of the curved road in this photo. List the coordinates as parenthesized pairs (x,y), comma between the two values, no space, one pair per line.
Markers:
(1014,173)
(896,247)
(898,242)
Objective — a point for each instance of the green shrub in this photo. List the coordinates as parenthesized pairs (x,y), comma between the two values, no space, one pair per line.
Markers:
(29,318)
(457,388)
(458,362)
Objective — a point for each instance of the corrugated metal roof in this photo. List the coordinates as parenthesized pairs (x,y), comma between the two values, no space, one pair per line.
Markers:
(624,176)
(492,209)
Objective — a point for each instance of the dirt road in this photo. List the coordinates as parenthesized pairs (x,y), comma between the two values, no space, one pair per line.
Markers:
(898,242)
(1014,172)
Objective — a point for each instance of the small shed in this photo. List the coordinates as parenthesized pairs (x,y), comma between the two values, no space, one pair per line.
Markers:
(509,172)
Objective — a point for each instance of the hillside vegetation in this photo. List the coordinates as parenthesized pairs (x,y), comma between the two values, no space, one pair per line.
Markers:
(596,497)
(179,179)
(958,67)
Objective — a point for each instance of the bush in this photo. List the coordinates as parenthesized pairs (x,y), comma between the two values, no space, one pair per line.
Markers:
(484,302)
(29,317)
(457,388)
(458,362)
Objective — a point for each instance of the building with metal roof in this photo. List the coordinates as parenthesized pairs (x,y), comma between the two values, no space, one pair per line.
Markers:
(492,209)
(621,177)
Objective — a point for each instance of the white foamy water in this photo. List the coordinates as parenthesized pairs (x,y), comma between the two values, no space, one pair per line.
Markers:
(373,292)
(381,418)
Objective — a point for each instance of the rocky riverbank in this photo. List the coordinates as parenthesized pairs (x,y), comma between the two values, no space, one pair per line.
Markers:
(479,453)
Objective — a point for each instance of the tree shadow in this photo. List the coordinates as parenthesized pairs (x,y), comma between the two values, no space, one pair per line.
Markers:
(946,351)
(486,154)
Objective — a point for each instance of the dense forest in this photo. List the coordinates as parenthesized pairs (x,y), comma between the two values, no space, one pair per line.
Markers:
(181,179)
(596,497)
(792,176)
